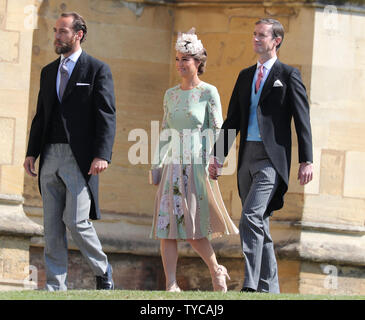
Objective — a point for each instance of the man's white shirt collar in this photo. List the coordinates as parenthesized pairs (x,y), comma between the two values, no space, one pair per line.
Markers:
(268,64)
(70,67)
(74,57)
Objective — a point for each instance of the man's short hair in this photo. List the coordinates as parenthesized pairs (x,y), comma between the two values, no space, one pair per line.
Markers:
(277,29)
(77,24)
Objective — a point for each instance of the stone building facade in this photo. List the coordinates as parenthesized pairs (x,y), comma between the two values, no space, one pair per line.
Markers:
(319,234)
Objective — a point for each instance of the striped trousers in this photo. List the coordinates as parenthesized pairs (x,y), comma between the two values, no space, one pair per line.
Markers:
(66,206)
(258,181)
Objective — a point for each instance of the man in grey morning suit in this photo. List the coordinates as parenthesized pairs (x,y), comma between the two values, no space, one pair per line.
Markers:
(265,99)
(73,133)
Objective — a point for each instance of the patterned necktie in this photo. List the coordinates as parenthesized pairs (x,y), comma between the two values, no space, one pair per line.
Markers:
(259,78)
(64,77)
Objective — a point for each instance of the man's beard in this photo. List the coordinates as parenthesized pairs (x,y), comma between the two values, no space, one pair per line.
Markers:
(64,48)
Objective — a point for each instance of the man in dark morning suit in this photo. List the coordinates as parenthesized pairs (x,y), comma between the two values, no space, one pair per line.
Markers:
(265,99)
(73,133)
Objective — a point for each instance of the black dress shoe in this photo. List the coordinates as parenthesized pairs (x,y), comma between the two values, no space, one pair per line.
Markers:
(245,289)
(105,282)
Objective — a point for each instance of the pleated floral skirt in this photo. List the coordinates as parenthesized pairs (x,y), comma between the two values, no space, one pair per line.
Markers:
(189,205)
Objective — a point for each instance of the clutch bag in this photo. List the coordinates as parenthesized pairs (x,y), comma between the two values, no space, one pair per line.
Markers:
(155,176)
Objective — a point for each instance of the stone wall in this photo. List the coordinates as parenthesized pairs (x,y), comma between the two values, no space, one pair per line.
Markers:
(334,205)
(16,30)
(320,225)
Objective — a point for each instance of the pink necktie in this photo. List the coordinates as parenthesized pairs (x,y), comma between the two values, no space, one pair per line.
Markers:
(259,78)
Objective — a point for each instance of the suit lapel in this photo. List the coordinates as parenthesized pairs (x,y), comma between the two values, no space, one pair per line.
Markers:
(273,75)
(247,82)
(78,69)
(50,92)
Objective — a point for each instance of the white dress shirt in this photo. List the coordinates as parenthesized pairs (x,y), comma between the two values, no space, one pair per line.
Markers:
(267,67)
(70,66)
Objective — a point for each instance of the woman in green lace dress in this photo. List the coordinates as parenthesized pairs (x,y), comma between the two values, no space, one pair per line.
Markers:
(188,205)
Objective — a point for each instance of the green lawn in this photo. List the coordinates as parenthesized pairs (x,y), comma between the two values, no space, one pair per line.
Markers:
(161,295)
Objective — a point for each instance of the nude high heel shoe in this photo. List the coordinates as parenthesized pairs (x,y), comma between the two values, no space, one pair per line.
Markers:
(219,279)
(173,287)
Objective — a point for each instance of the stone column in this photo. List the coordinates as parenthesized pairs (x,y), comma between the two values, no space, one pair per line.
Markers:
(17,21)
(333,232)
